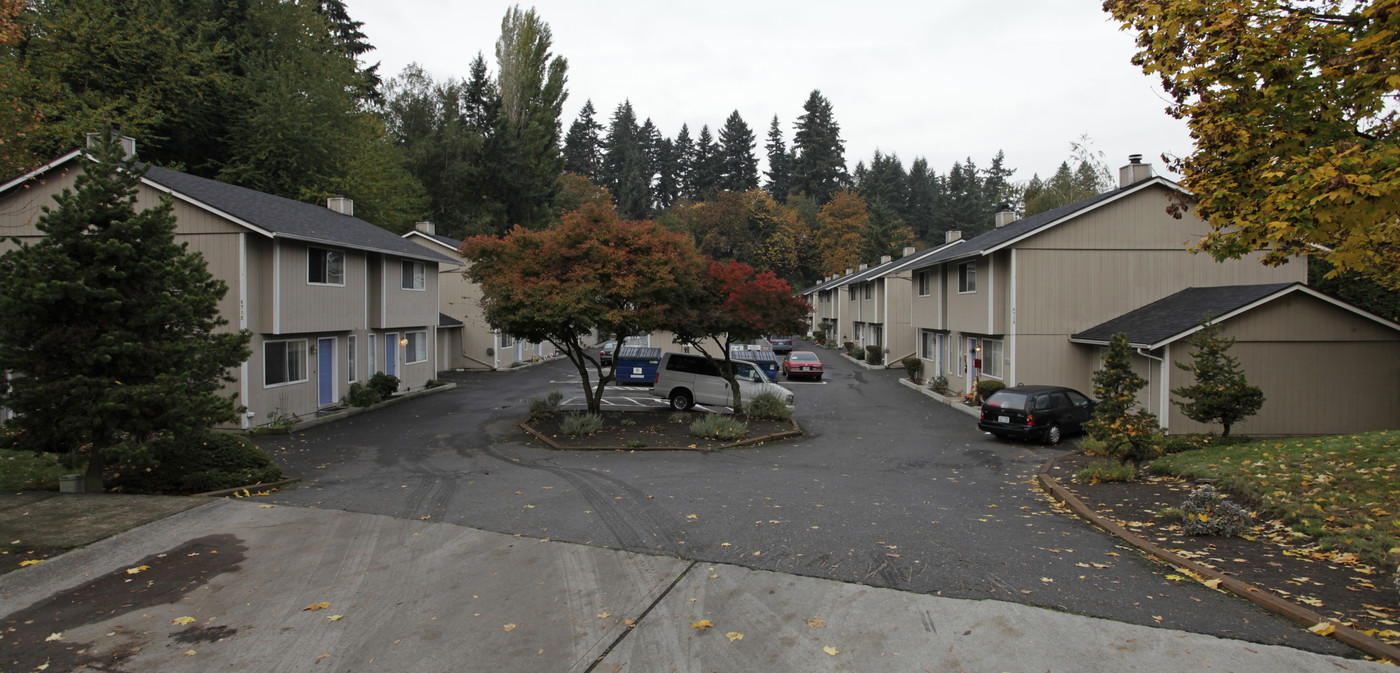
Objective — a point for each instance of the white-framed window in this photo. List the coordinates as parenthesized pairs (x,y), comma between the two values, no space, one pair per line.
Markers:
(928,344)
(967,277)
(992,357)
(369,353)
(324,266)
(851,291)
(868,288)
(414,276)
(962,355)
(284,362)
(417,348)
(507,341)
(925,283)
(351,371)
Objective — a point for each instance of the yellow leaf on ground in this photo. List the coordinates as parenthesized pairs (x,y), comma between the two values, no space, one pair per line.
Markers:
(701,625)
(55,636)
(1323,628)
(1175,578)
(815,623)
(336,618)
(1213,584)
(30,562)
(692,516)
(831,650)
(316,606)
(1047,580)
(509,627)
(725,544)
(190,653)
(604,615)
(733,636)
(137,569)
(267,506)
(182,620)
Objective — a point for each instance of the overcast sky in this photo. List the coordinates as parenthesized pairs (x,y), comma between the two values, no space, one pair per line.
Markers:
(938,79)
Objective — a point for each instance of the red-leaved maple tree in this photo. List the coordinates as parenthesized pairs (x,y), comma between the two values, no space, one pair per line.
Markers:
(594,271)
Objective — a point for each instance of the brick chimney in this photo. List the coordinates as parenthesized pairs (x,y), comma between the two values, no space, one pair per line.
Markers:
(341,205)
(952,235)
(425,227)
(1134,172)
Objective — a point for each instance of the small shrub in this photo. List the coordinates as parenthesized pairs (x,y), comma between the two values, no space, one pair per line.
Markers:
(913,366)
(434,383)
(545,407)
(768,406)
(384,384)
(875,355)
(361,395)
(857,352)
(718,426)
(680,416)
(819,336)
(850,346)
(831,344)
(939,384)
(988,387)
(627,422)
(204,461)
(581,424)
(1207,512)
(1106,470)
(636,444)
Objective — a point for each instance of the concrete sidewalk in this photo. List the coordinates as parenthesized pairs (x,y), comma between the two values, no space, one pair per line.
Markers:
(238,585)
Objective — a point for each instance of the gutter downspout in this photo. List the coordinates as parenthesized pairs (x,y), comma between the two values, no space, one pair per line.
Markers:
(1162,394)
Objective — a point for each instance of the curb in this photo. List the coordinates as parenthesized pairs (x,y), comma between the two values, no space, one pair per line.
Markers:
(950,401)
(1260,597)
(796,431)
(354,411)
(230,491)
(866,365)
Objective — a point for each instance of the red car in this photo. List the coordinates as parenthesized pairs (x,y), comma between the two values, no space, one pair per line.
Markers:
(802,363)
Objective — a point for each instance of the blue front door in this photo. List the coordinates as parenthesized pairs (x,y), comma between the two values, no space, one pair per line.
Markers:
(391,354)
(325,371)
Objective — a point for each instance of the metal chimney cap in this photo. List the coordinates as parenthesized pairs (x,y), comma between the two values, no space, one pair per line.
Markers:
(1134,158)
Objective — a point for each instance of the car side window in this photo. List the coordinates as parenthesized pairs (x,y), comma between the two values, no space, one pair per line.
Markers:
(746,374)
(1042,403)
(1077,399)
(1059,400)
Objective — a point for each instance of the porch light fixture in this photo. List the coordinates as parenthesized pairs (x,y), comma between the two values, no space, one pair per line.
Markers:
(403,342)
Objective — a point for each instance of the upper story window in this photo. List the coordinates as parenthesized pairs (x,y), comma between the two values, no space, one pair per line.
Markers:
(414,276)
(868,288)
(967,277)
(925,283)
(851,291)
(325,267)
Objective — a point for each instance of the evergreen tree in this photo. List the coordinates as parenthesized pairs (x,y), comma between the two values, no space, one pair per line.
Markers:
(706,169)
(685,161)
(1115,429)
(625,170)
(996,183)
(923,202)
(353,43)
(582,148)
(819,168)
(886,233)
(739,167)
(112,329)
(962,205)
(779,171)
(668,175)
(530,81)
(1220,394)
(887,184)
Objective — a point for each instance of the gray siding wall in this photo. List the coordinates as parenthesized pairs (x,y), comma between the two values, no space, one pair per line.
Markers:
(306,307)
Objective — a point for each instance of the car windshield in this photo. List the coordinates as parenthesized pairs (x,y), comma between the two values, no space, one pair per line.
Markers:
(803,357)
(1007,400)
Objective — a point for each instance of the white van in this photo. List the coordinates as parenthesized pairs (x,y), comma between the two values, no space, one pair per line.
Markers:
(686,380)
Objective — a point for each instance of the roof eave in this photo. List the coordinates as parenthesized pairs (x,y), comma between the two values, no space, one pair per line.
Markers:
(39,171)
(1134,189)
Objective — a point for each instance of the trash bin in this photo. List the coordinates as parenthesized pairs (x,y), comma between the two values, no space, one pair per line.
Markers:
(71,483)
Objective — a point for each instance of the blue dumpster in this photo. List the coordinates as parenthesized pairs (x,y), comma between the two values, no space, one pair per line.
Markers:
(637,364)
(765,359)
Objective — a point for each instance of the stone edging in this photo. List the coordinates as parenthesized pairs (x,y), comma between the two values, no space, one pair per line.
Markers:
(796,431)
(355,411)
(1265,599)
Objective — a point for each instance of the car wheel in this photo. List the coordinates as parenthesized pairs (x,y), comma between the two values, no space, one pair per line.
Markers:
(680,400)
(1053,435)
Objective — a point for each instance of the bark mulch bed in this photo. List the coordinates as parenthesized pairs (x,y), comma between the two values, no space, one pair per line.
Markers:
(654,430)
(1334,585)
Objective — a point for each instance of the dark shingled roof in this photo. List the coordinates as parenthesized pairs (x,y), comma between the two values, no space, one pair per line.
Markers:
(285,218)
(981,244)
(445,320)
(1179,313)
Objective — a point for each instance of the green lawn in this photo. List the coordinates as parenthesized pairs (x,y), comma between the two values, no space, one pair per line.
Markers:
(1341,490)
(29,471)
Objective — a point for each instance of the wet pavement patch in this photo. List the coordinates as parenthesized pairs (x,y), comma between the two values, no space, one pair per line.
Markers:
(34,636)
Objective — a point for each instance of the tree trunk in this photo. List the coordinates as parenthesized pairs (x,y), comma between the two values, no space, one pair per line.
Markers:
(97,464)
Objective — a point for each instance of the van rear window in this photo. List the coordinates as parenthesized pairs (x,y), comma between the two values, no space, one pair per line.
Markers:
(1004,400)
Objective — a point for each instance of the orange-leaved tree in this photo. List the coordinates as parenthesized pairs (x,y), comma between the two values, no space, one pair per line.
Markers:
(594,271)
(1291,105)
(736,305)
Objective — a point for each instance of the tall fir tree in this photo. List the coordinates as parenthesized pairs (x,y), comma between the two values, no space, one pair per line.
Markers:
(112,329)
(685,161)
(353,43)
(668,175)
(1115,429)
(739,167)
(819,169)
(779,171)
(582,146)
(625,171)
(1220,393)
(924,202)
(706,168)
(530,80)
